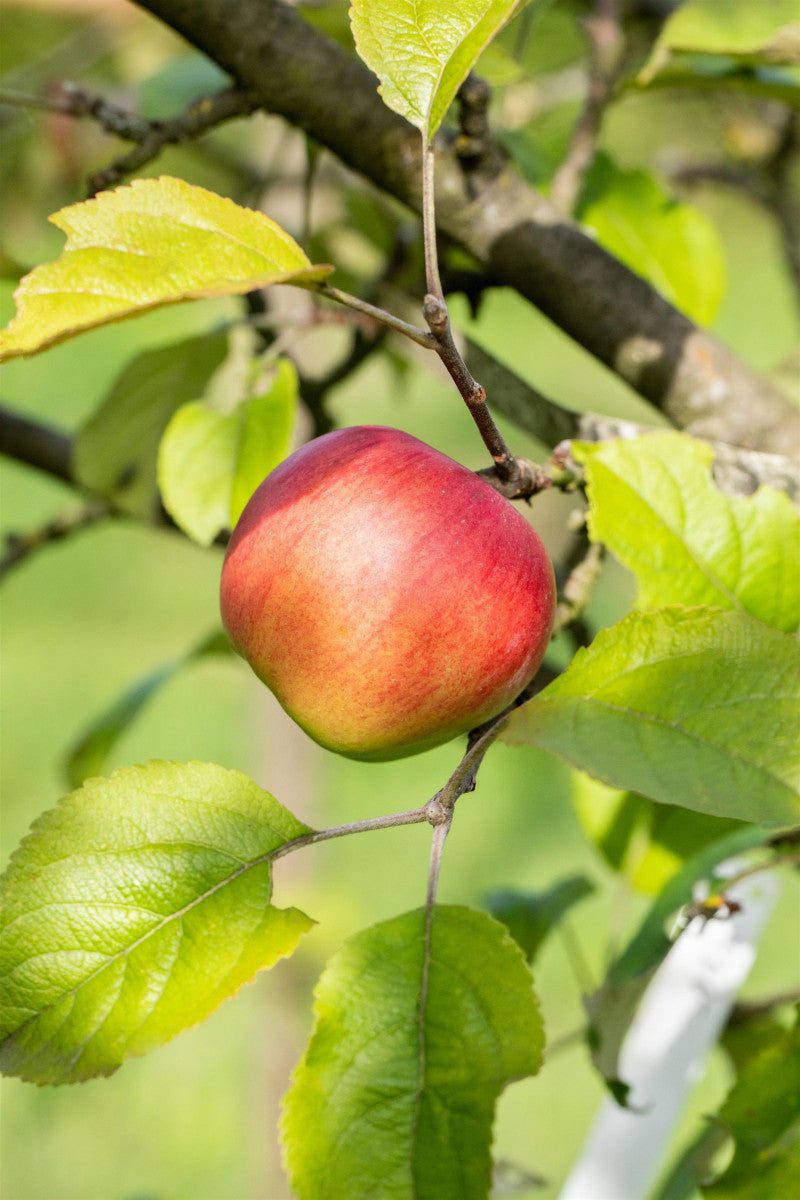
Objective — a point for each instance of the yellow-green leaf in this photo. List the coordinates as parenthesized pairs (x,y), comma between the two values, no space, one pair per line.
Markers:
(423,50)
(689,706)
(132,910)
(155,242)
(653,502)
(210,462)
(768,30)
(670,243)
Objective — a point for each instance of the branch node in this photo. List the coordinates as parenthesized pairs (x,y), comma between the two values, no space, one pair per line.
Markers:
(435,313)
(437,813)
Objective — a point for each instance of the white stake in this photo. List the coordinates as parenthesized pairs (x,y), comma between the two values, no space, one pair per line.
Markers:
(680,1018)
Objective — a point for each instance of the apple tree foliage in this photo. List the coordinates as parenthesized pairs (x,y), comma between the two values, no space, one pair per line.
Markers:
(143,899)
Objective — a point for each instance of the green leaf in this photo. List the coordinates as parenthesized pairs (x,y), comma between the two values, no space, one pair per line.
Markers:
(90,754)
(768,30)
(653,502)
(773,1175)
(423,50)
(612,1007)
(132,910)
(155,242)
(530,916)
(115,451)
(644,842)
(696,707)
(610,1011)
(670,243)
(704,72)
(211,462)
(762,1113)
(650,943)
(752,1028)
(395,1095)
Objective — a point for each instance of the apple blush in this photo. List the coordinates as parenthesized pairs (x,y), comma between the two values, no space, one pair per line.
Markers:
(389,597)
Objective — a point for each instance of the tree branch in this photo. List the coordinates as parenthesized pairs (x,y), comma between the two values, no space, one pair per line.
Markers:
(606,48)
(737,472)
(150,137)
(20,546)
(41,446)
(513,231)
(198,118)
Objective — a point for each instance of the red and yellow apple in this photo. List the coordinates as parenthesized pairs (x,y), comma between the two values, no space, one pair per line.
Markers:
(389,597)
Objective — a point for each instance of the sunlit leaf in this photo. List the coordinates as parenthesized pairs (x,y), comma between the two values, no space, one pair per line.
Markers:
(395,1096)
(654,504)
(696,707)
(211,462)
(132,910)
(670,243)
(114,453)
(90,754)
(152,243)
(423,50)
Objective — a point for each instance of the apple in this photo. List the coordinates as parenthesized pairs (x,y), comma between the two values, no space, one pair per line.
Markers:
(389,597)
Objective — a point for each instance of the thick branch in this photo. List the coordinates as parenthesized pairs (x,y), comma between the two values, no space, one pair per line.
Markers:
(737,471)
(512,230)
(38,445)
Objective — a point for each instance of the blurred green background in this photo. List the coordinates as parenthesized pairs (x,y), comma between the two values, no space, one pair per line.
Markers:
(81,620)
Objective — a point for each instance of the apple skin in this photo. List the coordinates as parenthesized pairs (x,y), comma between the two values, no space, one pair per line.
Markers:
(389,597)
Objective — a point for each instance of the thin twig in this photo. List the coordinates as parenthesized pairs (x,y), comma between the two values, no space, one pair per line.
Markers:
(420,336)
(20,546)
(432,280)
(578,588)
(435,312)
(414,816)
(606,48)
(58,104)
(781,860)
(198,118)
(150,137)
